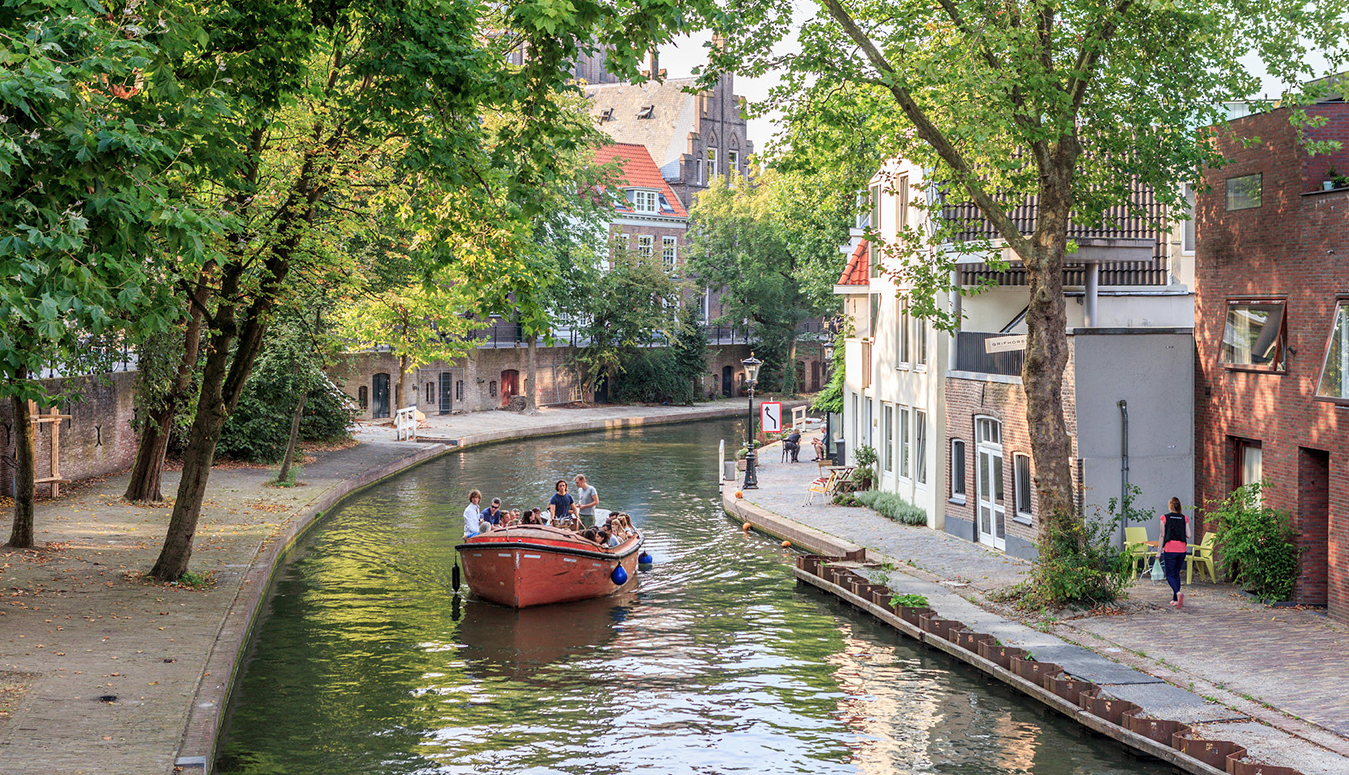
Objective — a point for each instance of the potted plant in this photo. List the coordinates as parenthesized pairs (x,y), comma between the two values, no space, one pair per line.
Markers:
(1334,179)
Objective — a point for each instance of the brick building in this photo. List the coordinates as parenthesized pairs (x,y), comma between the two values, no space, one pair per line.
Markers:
(1272,334)
(649,220)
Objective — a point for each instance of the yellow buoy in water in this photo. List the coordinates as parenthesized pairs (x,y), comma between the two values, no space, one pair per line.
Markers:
(745,527)
(786,544)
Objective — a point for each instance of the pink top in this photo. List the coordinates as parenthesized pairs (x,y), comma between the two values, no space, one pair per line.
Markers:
(1173,545)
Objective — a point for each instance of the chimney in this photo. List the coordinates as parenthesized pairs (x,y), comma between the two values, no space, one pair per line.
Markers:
(654,62)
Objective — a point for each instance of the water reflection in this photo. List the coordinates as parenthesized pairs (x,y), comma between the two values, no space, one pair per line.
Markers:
(715,663)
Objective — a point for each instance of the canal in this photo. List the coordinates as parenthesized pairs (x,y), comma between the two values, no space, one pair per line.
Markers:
(716,663)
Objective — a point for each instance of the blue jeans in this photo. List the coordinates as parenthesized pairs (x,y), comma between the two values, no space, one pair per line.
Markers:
(1171,562)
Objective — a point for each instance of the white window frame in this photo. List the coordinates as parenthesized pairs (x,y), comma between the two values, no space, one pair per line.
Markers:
(699,172)
(1022,488)
(669,253)
(888,437)
(905,447)
(1337,348)
(958,497)
(902,205)
(646,245)
(903,328)
(920,447)
(732,165)
(920,343)
(711,164)
(645,200)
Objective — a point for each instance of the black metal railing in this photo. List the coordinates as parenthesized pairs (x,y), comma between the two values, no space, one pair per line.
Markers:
(972,355)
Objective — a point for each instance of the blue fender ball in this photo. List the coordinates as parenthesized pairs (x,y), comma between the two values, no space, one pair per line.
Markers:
(619,576)
(644,559)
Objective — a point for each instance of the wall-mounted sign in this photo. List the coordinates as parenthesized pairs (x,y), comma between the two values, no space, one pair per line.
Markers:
(1005,344)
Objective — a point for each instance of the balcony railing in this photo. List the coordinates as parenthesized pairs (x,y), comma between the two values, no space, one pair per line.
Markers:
(971,355)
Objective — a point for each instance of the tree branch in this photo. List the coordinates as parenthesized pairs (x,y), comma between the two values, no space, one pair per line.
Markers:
(931,134)
(1084,70)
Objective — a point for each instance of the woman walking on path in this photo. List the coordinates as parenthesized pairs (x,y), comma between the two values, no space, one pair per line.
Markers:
(1171,549)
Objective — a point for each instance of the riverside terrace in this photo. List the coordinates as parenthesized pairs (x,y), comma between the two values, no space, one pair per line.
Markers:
(1268,679)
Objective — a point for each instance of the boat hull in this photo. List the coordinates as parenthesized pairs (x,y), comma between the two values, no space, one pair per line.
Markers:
(526,567)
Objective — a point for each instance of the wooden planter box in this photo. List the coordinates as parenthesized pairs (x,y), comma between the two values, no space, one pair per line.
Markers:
(1108,708)
(938,626)
(1033,671)
(880,595)
(1000,655)
(913,614)
(1161,730)
(1214,753)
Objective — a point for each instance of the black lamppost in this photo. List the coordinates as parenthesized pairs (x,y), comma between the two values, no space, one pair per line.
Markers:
(828,416)
(751,365)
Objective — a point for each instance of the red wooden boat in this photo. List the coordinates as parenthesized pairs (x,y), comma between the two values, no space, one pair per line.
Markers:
(526,565)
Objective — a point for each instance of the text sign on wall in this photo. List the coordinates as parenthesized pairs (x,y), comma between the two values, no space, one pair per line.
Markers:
(1005,344)
(770,416)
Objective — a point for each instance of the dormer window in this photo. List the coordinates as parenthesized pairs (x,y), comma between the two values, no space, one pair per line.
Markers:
(644,201)
(606,115)
(647,111)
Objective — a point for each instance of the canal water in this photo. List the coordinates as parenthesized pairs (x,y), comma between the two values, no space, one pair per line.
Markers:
(717,662)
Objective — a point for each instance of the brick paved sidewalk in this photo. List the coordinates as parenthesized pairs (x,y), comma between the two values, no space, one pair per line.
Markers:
(79,624)
(1281,666)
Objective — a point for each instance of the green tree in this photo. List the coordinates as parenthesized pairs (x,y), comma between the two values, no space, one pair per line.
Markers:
(630,307)
(94,130)
(1067,101)
(344,101)
(772,247)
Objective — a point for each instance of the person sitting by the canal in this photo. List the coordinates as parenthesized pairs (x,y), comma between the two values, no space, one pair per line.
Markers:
(587,498)
(818,444)
(493,516)
(793,445)
(562,504)
(471,512)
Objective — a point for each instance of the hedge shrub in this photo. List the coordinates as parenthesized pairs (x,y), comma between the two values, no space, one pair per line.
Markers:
(891,505)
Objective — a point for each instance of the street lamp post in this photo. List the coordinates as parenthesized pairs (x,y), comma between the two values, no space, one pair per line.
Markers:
(751,365)
(828,416)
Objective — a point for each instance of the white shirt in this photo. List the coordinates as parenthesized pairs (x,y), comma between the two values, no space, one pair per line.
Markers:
(471,520)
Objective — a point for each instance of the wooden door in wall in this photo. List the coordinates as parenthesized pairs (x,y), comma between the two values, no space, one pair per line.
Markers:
(814,376)
(379,393)
(991,506)
(727,381)
(510,385)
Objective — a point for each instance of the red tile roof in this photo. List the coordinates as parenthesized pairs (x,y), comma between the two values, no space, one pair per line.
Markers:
(640,171)
(858,271)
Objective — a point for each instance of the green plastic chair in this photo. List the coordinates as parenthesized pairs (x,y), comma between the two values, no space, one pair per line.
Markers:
(1136,548)
(1201,555)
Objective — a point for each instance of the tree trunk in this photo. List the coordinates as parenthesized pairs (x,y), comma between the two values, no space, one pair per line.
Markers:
(294,438)
(399,389)
(531,372)
(789,384)
(25,454)
(148,470)
(1047,358)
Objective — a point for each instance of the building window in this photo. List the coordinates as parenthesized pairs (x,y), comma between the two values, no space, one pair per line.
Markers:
(646,245)
(870,423)
(874,319)
(699,174)
(904,447)
(668,253)
(920,446)
(363,397)
(1250,463)
(1187,226)
(856,422)
(875,201)
(430,393)
(920,344)
(644,201)
(492,388)
(866,364)
(1243,193)
(902,205)
(1335,370)
(459,390)
(732,166)
(888,437)
(1253,335)
(1021,487)
(905,342)
(711,164)
(957,470)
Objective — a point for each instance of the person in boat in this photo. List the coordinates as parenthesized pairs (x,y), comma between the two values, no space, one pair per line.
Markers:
(471,514)
(532,517)
(492,516)
(587,498)
(562,505)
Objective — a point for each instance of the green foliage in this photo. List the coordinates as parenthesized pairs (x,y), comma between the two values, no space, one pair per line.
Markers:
(830,399)
(891,505)
(651,376)
(629,307)
(909,601)
(1085,569)
(863,476)
(1256,543)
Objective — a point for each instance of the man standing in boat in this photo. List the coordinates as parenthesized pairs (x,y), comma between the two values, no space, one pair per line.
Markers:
(562,505)
(472,516)
(586,499)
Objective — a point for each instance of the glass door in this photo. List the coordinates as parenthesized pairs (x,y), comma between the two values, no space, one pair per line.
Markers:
(992,508)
